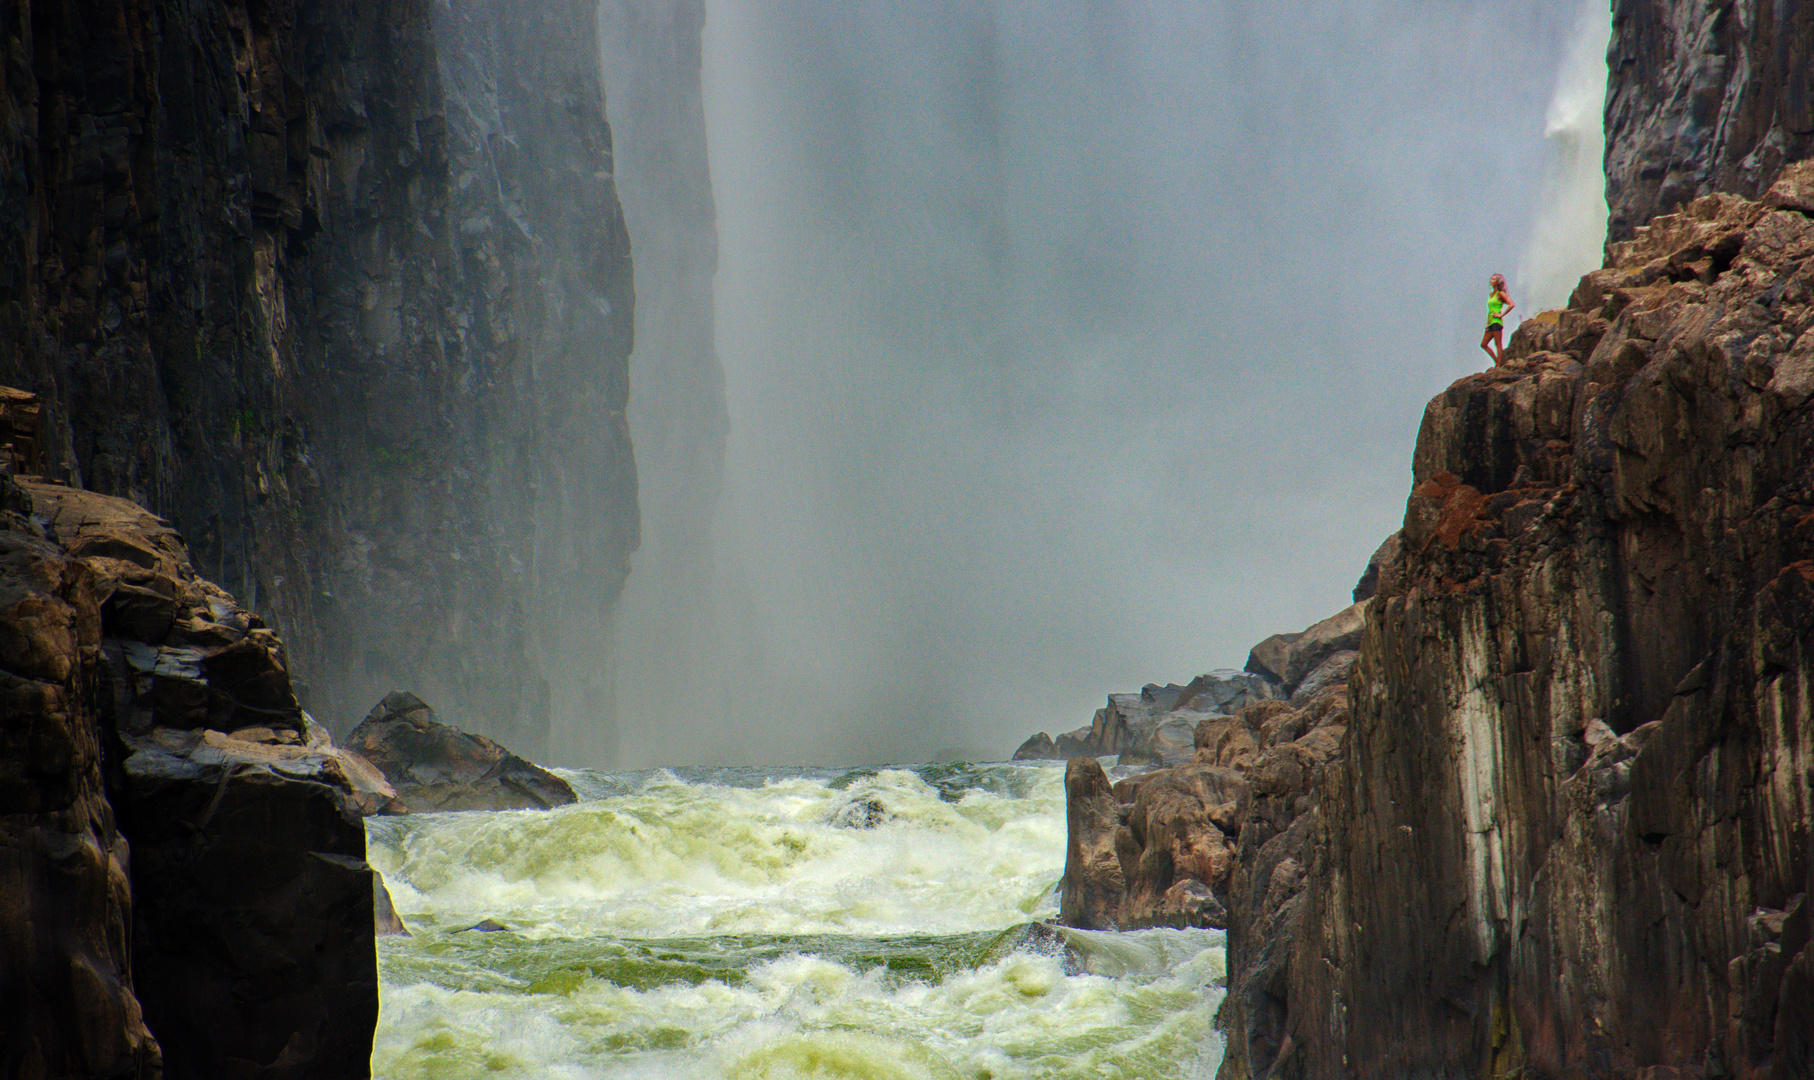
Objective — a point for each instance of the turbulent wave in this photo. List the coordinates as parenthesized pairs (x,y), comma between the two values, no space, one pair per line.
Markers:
(729,924)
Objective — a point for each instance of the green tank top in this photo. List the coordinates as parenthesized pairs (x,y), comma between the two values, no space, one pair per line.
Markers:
(1495,308)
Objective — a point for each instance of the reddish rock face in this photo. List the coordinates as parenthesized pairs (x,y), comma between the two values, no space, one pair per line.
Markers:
(1569,833)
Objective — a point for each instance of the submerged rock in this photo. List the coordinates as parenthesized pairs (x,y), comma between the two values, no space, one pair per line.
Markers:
(861,814)
(436,766)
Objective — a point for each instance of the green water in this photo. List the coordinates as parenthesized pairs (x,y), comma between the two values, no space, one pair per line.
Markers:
(738,923)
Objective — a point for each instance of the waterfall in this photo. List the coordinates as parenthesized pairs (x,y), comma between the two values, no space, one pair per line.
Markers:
(1569,226)
(1067,350)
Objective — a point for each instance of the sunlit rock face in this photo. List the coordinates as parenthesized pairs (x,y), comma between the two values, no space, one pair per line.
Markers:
(1569,832)
(343,290)
(1703,98)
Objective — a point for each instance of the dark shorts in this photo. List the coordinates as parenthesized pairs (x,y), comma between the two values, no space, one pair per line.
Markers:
(1494,327)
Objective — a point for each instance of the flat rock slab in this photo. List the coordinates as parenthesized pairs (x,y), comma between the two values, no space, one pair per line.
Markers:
(436,766)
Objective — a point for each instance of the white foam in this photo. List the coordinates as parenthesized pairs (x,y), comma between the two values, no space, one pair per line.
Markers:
(690,897)
(675,859)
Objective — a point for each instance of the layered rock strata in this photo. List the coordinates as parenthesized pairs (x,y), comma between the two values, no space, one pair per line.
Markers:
(1571,832)
(1703,97)
(343,291)
(183,849)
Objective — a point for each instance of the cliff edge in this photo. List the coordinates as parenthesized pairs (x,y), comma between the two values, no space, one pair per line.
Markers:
(1568,833)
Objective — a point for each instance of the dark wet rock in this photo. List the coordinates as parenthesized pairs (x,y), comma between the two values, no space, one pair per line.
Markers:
(1094,883)
(1565,828)
(484,926)
(254,917)
(1702,99)
(1039,747)
(385,920)
(185,804)
(861,814)
(436,766)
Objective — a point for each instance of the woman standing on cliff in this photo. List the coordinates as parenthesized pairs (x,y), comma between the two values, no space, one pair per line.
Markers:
(1498,305)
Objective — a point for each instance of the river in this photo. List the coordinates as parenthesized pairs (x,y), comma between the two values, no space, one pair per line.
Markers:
(776,924)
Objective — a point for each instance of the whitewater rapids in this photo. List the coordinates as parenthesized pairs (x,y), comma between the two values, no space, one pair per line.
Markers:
(773,924)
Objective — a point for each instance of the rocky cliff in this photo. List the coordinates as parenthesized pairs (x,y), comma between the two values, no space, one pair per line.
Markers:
(182,852)
(343,290)
(1703,97)
(1570,831)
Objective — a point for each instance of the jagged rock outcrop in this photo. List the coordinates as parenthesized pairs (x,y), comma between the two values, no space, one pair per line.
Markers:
(1703,97)
(1287,660)
(184,849)
(1571,832)
(67,1006)
(1165,848)
(1157,725)
(436,766)
(343,291)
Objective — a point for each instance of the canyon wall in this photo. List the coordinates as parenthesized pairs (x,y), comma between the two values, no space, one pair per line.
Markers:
(1703,97)
(343,290)
(1570,832)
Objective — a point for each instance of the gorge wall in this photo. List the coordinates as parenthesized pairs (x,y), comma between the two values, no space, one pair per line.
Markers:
(343,290)
(1703,98)
(1570,829)
(666,627)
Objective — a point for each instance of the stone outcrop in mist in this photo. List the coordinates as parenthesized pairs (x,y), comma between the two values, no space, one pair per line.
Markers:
(343,290)
(1571,829)
(1703,97)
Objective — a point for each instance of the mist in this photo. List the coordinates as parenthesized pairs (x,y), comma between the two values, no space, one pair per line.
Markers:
(1069,350)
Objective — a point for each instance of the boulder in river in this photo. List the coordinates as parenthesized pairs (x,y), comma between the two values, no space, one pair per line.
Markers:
(436,766)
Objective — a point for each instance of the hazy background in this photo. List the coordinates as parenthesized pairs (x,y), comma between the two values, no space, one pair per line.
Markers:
(1071,347)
